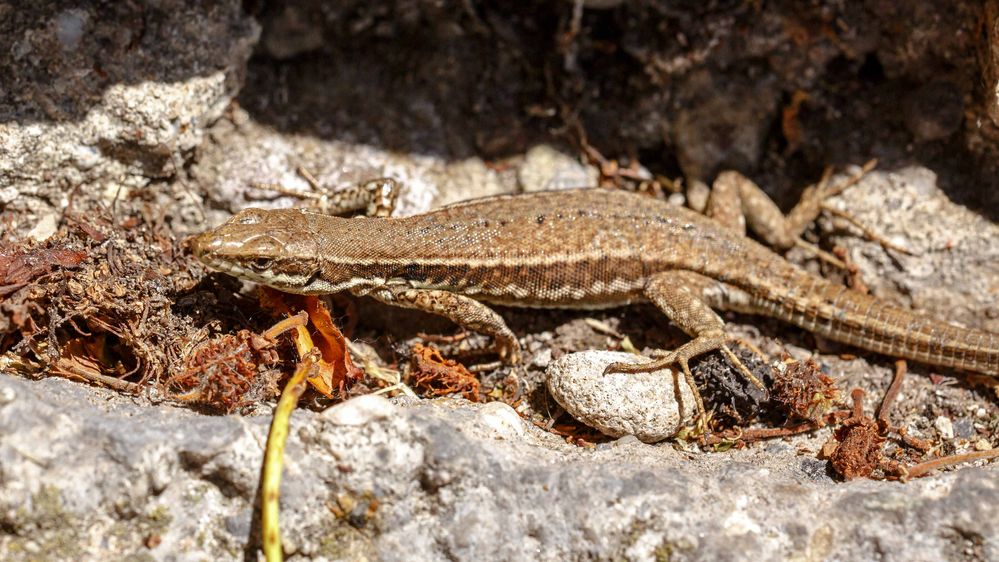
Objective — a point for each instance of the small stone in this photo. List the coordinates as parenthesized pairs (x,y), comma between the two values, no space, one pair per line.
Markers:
(543,358)
(546,168)
(618,404)
(69,27)
(698,194)
(45,228)
(360,410)
(964,428)
(677,199)
(502,419)
(944,426)
(8,195)
(7,395)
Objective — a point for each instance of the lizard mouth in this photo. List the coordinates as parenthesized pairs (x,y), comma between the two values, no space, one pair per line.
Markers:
(281,281)
(288,282)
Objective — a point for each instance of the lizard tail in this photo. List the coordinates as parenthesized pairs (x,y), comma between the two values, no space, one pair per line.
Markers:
(854,318)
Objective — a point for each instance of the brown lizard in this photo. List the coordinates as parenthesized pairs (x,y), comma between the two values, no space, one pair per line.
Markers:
(591,248)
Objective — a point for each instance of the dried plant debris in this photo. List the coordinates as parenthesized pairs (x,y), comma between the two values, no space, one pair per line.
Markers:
(430,374)
(335,372)
(574,431)
(115,301)
(20,266)
(856,452)
(229,371)
(103,300)
(858,447)
(103,280)
(802,391)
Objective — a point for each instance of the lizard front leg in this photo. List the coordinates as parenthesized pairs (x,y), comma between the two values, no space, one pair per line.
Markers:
(466,312)
(681,295)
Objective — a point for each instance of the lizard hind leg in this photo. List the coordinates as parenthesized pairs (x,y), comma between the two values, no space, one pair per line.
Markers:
(736,202)
(680,295)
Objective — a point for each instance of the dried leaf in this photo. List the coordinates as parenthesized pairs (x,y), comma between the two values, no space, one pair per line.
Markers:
(335,371)
(433,375)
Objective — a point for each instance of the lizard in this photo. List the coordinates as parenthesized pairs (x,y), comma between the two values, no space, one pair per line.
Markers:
(584,249)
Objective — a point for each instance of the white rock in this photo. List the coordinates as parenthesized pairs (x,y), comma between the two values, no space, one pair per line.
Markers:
(7,395)
(360,410)
(944,426)
(45,227)
(545,167)
(502,419)
(617,404)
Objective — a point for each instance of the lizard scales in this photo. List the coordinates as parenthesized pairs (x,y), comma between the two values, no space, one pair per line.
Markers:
(589,248)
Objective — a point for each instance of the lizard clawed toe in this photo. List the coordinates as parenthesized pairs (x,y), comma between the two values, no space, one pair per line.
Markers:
(643,367)
(665,359)
(508,351)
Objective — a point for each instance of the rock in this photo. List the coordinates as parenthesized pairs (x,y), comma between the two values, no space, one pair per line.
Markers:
(640,404)
(951,272)
(432,481)
(252,153)
(503,419)
(45,227)
(944,426)
(114,93)
(721,122)
(360,410)
(546,168)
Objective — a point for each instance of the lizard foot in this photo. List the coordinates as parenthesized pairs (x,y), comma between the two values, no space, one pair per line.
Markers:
(703,343)
(508,350)
(665,359)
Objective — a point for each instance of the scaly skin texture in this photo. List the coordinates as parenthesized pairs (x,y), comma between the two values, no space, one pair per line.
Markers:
(573,249)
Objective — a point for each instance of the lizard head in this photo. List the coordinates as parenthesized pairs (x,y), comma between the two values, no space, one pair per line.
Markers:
(272,247)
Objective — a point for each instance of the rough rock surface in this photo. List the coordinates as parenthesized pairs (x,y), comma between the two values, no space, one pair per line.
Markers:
(440,480)
(112,94)
(951,268)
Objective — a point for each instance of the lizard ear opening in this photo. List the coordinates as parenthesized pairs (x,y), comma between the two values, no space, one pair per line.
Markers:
(315,284)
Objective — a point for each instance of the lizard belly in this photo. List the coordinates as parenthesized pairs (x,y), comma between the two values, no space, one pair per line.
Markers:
(571,286)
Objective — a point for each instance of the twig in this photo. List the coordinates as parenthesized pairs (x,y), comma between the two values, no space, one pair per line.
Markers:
(270,488)
(896,385)
(924,467)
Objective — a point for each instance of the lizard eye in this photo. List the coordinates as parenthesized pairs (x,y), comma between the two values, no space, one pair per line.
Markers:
(261,264)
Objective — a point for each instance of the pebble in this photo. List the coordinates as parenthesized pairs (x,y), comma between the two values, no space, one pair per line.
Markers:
(45,228)
(546,168)
(618,404)
(944,426)
(502,419)
(360,410)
